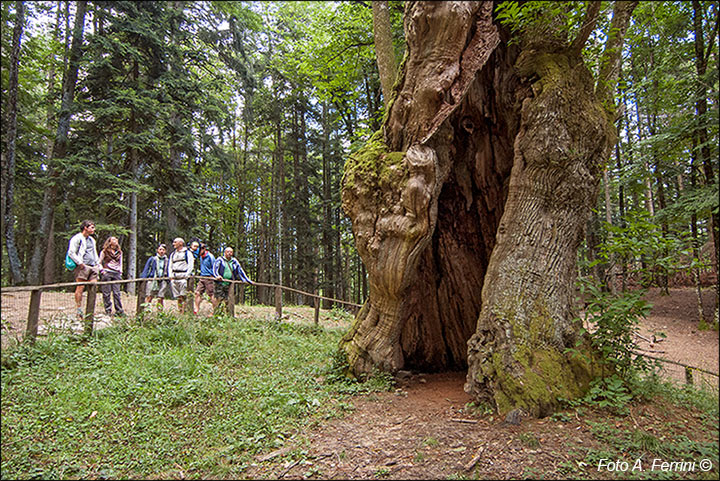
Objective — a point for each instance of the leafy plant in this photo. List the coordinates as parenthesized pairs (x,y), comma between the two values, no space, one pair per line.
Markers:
(529,440)
(614,319)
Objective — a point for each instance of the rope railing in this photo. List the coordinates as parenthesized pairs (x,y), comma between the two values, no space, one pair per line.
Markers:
(92,287)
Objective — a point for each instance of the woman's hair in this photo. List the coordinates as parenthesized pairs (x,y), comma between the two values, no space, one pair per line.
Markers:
(111,243)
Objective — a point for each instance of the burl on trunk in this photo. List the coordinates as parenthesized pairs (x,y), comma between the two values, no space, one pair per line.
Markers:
(468,207)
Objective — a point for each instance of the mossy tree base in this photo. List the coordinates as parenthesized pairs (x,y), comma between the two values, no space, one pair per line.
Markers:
(469,206)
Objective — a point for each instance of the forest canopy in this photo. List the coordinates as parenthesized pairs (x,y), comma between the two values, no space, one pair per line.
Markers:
(230,122)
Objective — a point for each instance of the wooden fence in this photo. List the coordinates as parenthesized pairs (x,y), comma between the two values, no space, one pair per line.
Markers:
(33,316)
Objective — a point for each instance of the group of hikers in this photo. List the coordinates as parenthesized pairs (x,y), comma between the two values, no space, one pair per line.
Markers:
(167,274)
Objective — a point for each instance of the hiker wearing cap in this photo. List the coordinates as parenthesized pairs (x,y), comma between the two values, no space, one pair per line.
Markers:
(204,286)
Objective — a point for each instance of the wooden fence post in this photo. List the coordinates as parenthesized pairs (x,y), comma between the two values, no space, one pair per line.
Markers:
(33,316)
(317,310)
(278,303)
(90,308)
(231,300)
(140,291)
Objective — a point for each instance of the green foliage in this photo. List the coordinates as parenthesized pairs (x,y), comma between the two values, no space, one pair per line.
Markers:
(642,239)
(139,399)
(565,17)
(338,375)
(616,319)
(613,321)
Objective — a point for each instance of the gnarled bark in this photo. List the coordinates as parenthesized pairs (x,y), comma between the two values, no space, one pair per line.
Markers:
(392,191)
(516,354)
(468,207)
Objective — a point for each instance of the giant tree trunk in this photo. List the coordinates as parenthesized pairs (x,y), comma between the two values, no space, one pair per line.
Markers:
(468,207)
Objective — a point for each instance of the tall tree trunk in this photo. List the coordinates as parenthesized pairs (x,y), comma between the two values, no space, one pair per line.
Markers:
(133,214)
(384,51)
(327,242)
(516,355)
(695,241)
(611,268)
(50,264)
(8,181)
(425,244)
(469,189)
(701,61)
(60,145)
(621,187)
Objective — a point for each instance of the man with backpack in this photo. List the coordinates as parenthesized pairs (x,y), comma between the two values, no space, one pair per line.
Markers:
(180,267)
(82,252)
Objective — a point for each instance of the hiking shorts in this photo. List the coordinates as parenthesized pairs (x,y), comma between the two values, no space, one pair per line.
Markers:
(85,273)
(178,287)
(221,290)
(205,285)
(156,289)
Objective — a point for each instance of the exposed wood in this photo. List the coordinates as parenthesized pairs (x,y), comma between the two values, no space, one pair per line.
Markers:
(231,300)
(140,290)
(278,302)
(466,421)
(33,315)
(90,308)
(385,53)
(317,310)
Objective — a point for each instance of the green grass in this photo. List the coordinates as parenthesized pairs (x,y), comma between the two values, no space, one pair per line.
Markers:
(170,398)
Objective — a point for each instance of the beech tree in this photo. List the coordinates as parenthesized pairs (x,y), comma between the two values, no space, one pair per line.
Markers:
(469,205)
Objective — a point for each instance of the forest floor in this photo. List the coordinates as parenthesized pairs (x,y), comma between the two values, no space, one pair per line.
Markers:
(427,427)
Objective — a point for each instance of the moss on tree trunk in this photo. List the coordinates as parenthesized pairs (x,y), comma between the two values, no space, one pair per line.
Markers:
(469,206)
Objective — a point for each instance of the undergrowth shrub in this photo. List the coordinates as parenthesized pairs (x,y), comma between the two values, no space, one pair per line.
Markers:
(612,321)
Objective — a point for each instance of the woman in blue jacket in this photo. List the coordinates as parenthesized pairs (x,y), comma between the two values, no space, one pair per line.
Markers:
(156,266)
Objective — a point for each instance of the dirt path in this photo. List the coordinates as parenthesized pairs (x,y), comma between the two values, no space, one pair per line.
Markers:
(676,315)
(427,428)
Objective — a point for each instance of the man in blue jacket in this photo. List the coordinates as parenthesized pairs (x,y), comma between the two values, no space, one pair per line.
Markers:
(207,286)
(225,269)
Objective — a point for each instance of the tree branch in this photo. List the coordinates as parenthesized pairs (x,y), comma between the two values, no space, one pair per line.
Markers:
(591,17)
(611,56)
(710,40)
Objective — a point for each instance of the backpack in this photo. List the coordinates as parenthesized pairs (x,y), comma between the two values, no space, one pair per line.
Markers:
(186,256)
(69,263)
